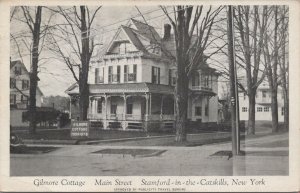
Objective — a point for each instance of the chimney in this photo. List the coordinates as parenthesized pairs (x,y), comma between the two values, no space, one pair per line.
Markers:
(167,31)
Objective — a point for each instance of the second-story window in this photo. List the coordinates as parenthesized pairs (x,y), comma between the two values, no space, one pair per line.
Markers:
(125,73)
(264,94)
(132,76)
(25,84)
(96,75)
(155,75)
(206,81)
(110,74)
(172,78)
(118,73)
(196,80)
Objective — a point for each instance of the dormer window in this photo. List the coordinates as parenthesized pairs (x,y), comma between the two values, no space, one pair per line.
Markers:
(155,49)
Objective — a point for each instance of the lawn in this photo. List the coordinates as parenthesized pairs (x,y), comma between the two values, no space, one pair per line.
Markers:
(95,134)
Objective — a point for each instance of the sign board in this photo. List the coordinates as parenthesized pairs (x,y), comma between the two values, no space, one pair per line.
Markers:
(80,129)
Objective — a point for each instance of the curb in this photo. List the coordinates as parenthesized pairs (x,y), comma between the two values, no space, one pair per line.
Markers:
(122,140)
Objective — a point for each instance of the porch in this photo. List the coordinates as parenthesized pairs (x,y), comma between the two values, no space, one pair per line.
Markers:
(132,109)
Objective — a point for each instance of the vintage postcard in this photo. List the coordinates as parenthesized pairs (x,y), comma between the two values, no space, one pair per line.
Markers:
(149,96)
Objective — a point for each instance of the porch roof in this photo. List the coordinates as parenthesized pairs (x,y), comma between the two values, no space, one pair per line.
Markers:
(203,92)
(131,88)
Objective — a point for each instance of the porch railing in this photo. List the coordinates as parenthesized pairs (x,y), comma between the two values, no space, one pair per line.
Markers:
(132,117)
(115,116)
(168,117)
(96,116)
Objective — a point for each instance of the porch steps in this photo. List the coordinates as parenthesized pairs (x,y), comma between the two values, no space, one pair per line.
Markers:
(133,125)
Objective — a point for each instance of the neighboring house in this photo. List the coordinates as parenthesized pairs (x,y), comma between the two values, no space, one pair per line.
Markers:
(132,85)
(263,104)
(19,93)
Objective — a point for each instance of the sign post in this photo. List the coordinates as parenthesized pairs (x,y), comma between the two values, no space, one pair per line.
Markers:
(80,129)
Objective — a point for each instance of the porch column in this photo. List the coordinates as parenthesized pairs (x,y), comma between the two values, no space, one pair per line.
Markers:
(125,106)
(90,107)
(147,107)
(105,110)
(96,105)
(147,112)
(174,107)
(70,114)
(161,107)
(150,105)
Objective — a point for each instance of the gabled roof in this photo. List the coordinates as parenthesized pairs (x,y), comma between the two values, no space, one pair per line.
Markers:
(146,30)
(135,32)
(133,38)
(73,89)
(13,63)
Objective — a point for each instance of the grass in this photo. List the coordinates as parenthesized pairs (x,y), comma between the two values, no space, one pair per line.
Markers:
(95,134)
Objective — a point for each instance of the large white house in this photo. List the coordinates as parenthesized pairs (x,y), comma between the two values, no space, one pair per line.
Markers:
(19,93)
(263,104)
(132,85)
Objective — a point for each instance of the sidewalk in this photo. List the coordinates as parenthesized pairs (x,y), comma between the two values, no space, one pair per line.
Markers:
(178,161)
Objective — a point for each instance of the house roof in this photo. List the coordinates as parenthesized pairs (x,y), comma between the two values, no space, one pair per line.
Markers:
(124,88)
(133,38)
(146,30)
(13,63)
(130,88)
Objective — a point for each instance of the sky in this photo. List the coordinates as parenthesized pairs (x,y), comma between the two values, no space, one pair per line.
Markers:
(54,75)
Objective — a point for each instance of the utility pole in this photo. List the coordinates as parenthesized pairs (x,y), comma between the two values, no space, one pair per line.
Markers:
(234,99)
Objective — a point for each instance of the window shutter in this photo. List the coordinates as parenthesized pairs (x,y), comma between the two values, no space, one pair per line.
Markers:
(158,76)
(135,71)
(96,75)
(153,77)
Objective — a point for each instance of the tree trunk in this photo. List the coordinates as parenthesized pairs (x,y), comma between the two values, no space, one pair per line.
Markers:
(34,70)
(274,109)
(251,121)
(284,74)
(83,74)
(181,104)
(286,109)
